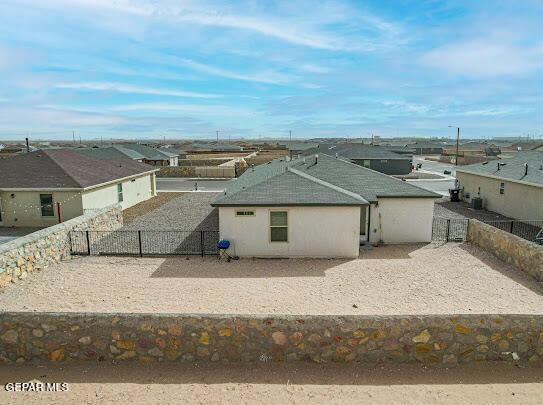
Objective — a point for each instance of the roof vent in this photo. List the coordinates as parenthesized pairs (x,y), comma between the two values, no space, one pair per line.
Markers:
(316,158)
(500,165)
(337,155)
(525,169)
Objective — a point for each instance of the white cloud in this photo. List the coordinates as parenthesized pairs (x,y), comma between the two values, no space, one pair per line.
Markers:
(124,88)
(307,28)
(261,77)
(184,108)
(486,58)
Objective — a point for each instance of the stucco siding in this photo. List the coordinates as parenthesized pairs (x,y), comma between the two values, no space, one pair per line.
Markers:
(135,190)
(520,201)
(403,220)
(24,209)
(312,232)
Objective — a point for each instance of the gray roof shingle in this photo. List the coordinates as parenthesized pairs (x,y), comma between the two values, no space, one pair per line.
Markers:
(513,168)
(309,181)
(62,168)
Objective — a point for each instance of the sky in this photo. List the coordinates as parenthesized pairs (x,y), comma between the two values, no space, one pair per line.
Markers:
(186,69)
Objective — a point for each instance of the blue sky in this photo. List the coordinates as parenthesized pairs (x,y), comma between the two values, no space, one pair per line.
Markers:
(181,69)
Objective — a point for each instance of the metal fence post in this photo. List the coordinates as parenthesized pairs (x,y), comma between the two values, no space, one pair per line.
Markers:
(202,242)
(511,228)
(448,229)
(139,243)
(88,243)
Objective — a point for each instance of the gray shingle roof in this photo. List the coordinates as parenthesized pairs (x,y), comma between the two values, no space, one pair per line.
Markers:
(329,181)
(513,168)
(63,168)
(109,153)
(356,151)
(150,153)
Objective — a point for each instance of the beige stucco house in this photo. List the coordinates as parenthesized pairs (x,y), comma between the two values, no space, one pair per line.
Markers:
(320,206)
(42,188)
(511,187)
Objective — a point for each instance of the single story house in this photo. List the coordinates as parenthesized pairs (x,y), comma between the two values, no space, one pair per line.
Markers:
(111,153)
(378,158)
(320,206)
(428,147)
(511,187)
(154,156)
(473,149)
(35,185)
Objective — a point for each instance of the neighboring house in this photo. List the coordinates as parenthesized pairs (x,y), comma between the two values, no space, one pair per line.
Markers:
(214,147)
(320,206)
(154,156)
(378,158)
(428,148)
(297,148)
(473,149)
(511,187)
(110,153)
(32,185)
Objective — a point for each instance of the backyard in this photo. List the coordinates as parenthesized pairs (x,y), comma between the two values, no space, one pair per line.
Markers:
(391,280)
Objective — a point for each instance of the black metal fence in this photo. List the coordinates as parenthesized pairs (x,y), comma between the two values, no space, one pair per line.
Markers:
(526,229)
(449,229)
(144,243)
(456,229)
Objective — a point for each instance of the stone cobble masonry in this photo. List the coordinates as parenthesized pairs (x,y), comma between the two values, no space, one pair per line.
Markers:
(147,338)
(49,246)
(524,255)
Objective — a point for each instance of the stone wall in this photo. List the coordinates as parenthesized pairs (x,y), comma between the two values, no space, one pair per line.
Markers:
(49,246)
(524,255)
(41,337)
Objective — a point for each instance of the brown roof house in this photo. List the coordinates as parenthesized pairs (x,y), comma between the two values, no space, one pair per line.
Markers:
(40,189)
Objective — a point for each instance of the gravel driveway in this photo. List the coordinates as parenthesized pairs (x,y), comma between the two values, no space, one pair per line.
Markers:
(190,211)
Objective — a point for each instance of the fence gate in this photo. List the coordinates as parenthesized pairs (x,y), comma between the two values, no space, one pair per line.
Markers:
(449,229)
(144,243)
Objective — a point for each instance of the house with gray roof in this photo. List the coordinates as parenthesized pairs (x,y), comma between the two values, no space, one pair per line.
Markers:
(153,156)
(42,188)
(320,206)
(511,187)
(384,159)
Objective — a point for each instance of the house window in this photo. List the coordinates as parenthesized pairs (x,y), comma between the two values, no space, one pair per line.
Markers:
(245,213)
(366,163)
(279,226)
(502,188)
(384,161)
(46,203)
(120,192)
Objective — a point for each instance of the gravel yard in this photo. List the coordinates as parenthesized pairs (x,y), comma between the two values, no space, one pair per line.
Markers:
(401,279)
(188,211)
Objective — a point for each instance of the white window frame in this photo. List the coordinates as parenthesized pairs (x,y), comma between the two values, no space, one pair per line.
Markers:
(276,226)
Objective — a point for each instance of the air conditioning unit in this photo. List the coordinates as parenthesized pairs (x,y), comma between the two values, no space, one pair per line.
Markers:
(477,203)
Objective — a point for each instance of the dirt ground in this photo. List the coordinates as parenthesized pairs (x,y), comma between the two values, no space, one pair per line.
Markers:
(132,213)
(278,383)
(389,280)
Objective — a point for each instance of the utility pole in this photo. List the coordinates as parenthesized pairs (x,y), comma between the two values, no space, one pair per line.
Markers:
(290,135)
(73,137)
(27,145)
(372,139)
(217,136)
(457,142)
